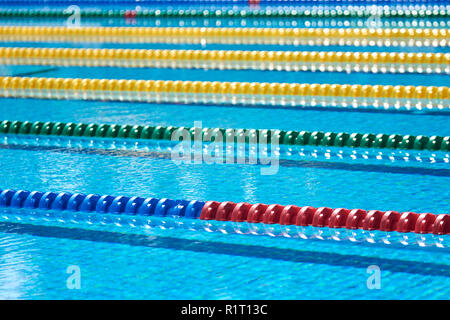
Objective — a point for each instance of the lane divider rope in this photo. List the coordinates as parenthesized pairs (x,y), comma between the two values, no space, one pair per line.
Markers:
(130,19)
(268,215)
(306,3)
(355,12)
(280,36)
(392,62)
(230,93)
(292,138)
(327,217)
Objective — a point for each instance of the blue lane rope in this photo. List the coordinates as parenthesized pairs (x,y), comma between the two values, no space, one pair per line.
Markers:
(101,204)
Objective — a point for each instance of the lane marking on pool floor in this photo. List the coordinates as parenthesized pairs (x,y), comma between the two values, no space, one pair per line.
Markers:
(78,231)
(232,160)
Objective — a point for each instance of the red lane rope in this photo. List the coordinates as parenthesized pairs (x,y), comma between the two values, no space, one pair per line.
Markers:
(388,221)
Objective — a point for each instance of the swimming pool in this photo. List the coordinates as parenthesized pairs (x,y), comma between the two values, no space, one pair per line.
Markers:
(89,183)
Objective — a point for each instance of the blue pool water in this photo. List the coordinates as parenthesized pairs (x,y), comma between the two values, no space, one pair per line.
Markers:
(122,261)
(34,259)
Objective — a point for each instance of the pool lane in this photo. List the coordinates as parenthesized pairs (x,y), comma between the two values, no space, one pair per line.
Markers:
(223,116)
(118,173)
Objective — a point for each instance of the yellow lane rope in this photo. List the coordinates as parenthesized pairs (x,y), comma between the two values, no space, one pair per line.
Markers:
(243,93)
(295,36)
(393,62)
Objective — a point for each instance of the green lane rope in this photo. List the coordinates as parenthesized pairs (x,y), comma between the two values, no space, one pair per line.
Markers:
(292,138)
(225,13)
